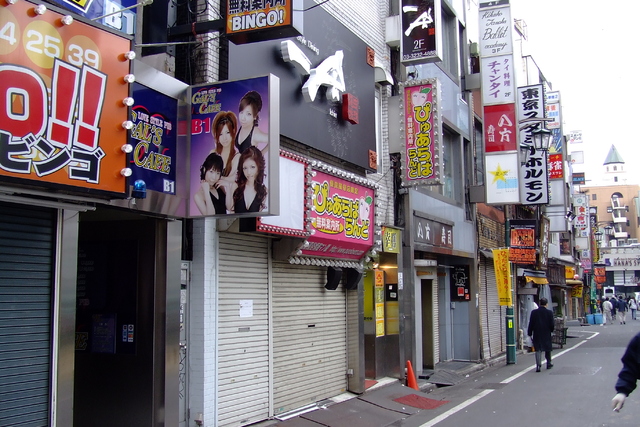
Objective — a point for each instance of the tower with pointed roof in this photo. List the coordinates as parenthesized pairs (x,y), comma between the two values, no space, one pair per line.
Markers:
(614,171)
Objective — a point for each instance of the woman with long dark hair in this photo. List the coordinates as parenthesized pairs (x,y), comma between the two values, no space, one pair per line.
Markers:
(250,192)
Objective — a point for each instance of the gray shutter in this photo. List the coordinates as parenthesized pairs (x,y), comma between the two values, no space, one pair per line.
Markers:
(309,337)
(27,242)
(243,342)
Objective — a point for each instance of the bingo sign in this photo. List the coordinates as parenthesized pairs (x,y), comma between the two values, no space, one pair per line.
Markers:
(341,218)
(422,141)
(61,100)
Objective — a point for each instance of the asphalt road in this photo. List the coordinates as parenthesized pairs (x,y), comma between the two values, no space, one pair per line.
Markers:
(577,391)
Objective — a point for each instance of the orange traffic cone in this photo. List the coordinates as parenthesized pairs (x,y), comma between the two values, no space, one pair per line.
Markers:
(411,377)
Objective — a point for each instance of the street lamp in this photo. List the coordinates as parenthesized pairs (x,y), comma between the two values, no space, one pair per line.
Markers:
(541,139)
(598,235)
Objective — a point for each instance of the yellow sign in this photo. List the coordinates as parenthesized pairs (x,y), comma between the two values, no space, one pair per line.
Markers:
(391,240)
(379,301)
(502,268)
(576,292)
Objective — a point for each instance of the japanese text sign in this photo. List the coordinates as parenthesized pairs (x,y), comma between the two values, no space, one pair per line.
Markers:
(522,241)
(500,127)
(341,218)
(498,80)
(61,101)
(502,268)
(422,139)
(534,176)
(432,232)
(421,31)
(502,178)
(258,20)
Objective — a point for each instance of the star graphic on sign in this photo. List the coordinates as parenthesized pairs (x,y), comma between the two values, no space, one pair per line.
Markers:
(499,174)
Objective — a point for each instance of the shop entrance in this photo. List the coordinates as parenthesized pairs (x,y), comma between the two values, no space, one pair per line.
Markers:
(119,378)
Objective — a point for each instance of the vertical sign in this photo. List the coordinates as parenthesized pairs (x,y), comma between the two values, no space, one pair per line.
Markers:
(421,31)
(379,301)
(554,124)
(502,268)
(534,175)
(421,120)
(498,99)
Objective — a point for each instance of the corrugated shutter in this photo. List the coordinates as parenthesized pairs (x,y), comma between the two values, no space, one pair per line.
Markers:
(27,242)
(243,337)
(492,314)
(309,337)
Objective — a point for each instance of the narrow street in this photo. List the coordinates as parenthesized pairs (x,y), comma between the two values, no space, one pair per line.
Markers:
(577,391)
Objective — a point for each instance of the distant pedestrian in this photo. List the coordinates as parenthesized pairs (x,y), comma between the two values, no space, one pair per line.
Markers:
(614,307)
(633,307)
(622,310)
(541,325)
(606,311)
(630,373)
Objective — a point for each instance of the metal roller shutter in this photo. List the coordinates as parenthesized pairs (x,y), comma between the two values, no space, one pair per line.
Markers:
(243,330)
(309,337)
(27,242)
(492,314)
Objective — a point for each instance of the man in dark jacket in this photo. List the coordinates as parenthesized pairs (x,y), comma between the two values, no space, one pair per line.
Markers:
(541,325)
(622,310)
(629,374)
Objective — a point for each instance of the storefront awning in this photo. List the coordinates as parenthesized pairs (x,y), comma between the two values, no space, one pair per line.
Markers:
(537,280)
(574,282)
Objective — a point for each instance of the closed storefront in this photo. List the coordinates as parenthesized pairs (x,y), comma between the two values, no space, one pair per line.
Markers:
(27,277)
(243,329)
(309,337)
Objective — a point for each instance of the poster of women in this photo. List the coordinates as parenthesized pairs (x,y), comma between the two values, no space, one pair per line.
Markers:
(234,148)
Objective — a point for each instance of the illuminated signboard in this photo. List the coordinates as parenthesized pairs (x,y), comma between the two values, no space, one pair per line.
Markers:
(341,218)
(259,20)
(423,139)
(62,102)
(234,150)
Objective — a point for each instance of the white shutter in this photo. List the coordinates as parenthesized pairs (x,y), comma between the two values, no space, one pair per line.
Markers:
(309,337)
(491,313)
(243,342)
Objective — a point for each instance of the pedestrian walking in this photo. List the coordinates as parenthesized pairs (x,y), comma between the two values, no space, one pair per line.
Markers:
(606,311)
(629,374)
(633,307)
(614,306)
(622,310)
(541,325)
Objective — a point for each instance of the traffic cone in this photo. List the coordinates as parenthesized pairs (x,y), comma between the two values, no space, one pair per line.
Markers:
(411,377)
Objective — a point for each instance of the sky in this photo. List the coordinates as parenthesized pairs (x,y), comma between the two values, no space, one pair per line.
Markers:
(586,49)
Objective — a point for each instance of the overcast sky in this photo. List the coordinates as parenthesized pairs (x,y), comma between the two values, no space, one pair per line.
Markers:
(586,49)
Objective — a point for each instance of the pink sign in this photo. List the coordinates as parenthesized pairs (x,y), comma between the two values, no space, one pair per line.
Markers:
(500,130)
(421,141)
(341,218)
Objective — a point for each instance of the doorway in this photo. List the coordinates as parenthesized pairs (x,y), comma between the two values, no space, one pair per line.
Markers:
(119,355)
(428,332)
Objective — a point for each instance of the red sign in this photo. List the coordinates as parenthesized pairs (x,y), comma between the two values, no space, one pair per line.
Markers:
(350,108)
(500,127)
(61,100)
(341,218)
(555,166)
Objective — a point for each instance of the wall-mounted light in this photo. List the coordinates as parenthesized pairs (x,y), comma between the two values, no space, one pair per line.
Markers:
(67,20)
(525,151)
(127,124)
(129,78)
(131,55)
(128,101)
(40,9)
(571,216)
(126,172)
(126,148)
(541,139)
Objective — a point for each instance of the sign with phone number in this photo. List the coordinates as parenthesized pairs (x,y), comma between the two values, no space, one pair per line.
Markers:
(61,100)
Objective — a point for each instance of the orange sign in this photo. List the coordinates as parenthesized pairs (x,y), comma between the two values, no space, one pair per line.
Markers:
(61,100)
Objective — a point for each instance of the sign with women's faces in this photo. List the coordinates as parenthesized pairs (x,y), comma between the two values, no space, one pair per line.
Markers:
(234,148)
(341,218)
(61,102)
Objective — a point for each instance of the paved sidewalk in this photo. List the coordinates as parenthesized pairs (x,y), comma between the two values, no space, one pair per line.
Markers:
(389,403)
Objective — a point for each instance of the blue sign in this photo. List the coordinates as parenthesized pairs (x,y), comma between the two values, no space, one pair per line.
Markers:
(153,137)
(119,15)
